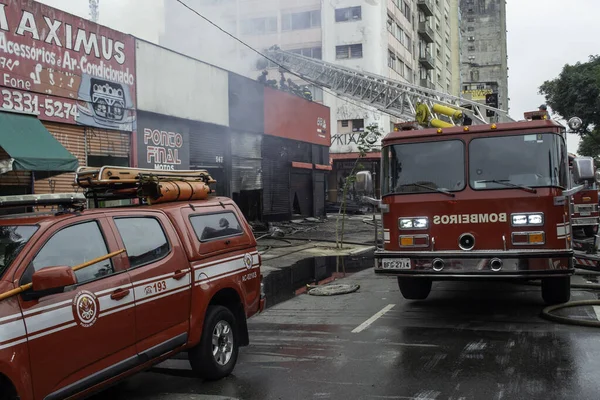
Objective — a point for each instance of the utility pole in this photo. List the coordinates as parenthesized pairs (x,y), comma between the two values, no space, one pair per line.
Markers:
(94,10)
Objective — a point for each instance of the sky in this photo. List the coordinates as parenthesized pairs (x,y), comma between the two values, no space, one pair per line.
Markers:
(543,36)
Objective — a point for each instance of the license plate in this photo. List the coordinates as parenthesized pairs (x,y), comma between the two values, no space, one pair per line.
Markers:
(585,213)
(395,263)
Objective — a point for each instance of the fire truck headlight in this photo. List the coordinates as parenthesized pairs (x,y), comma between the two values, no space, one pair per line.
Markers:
(413,223)
(405,223)
(527,219)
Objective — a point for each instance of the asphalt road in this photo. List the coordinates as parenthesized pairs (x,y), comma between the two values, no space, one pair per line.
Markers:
(466,341)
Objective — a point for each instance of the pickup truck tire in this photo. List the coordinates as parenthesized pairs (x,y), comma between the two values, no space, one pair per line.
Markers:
(216,354)
(414,288)
(7,391)
(556,290)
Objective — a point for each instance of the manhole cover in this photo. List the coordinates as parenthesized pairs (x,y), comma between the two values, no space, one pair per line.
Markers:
(334,289)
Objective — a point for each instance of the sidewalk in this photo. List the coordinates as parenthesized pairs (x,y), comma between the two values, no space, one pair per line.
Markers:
(302,252)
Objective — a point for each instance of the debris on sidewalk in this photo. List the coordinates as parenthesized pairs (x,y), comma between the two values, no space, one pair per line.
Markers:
(334,289)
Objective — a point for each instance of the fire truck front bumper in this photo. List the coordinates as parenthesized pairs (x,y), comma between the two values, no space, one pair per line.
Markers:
(530,264)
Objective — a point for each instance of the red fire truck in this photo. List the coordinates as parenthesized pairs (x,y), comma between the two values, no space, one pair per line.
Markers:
(584,204)
(487,201)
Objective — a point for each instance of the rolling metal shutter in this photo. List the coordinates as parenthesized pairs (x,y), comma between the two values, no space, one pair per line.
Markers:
(301,189)
(102,142)
(319,194)
(276,177)
(246,162)
(72,137)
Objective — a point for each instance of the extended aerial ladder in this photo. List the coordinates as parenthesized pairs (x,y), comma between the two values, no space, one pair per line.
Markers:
(400,99)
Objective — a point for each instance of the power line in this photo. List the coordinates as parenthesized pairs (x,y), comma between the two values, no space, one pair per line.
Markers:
(276,63)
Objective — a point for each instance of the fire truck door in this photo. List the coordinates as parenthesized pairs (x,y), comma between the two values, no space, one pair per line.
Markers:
(161,277)
(77,333)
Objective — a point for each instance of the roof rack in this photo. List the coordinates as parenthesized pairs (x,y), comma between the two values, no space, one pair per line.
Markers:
(149,185)
(52,199)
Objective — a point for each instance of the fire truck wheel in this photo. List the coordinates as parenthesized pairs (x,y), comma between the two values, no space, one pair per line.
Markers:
(556,290)
(589,231)
(414,288)
(216,354)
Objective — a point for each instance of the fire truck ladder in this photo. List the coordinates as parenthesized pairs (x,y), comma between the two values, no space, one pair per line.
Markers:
(402,100)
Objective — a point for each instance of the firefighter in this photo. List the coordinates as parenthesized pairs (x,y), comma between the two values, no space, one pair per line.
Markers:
(544,108)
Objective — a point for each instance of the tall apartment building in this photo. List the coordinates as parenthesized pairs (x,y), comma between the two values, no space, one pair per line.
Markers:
(484,66)
(407,40)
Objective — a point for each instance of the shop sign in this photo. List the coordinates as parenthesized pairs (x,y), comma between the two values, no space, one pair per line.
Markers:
(64,68)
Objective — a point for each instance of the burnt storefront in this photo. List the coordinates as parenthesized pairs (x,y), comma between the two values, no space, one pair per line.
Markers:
(209,150)
(343,164)
(295,156)
(246,122)
(78,78)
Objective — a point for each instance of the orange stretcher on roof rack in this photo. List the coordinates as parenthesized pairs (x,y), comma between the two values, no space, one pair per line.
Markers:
(154,186)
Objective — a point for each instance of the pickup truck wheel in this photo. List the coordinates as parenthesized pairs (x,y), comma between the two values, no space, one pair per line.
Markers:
(556,290)
(216,354)
(7,391)
(414,288)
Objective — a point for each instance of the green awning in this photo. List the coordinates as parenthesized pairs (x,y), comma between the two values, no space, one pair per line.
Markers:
(31,147)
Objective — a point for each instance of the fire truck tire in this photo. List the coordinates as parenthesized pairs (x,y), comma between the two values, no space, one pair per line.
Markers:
(556,290)
(589,231)
(414,288)
(220,324)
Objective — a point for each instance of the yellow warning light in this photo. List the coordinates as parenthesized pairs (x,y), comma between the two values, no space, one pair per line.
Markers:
(536,238)
(406,241)
(493,126)
(439,130)
(396,129)
(586,198)
(466,129)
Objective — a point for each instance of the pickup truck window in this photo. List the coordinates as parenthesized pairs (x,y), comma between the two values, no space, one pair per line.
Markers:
(144,239)
(12,240)
(75,245)
(216,226)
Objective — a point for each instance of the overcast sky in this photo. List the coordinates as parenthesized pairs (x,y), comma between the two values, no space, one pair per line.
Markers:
(543,36)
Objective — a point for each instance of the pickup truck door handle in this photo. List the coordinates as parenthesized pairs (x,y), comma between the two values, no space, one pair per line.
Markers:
(119,294)
(179,274)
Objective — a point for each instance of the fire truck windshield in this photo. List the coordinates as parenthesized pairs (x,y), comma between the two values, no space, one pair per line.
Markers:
(424,167)
(525,161)
(12,240)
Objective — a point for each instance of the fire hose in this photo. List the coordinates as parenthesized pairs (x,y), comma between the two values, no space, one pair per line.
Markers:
(28,286)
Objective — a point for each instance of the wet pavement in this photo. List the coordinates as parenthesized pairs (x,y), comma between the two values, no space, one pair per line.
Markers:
(468,340)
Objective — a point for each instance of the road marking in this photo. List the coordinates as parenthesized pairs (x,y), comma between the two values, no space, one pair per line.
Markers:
(597,311)
(374,318)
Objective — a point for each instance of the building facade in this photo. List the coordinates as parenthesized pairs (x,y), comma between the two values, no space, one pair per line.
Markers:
(76,78)
(484,67)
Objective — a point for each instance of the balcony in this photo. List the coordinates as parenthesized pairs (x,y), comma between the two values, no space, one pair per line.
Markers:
(426,60)
(426,32)
(426,83)
(426,7)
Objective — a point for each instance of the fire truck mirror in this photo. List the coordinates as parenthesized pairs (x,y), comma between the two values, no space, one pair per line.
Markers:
(364,183)
(597,177)
(583,170)
(51,280)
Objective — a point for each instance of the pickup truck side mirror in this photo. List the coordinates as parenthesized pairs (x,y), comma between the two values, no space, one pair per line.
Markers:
(51,280)
(583,170)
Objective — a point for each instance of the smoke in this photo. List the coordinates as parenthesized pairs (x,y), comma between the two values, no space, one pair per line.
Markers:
(187,33)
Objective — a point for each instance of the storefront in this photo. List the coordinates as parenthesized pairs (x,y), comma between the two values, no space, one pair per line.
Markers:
(83,89)
(183,114)
(246,122)
(295,156)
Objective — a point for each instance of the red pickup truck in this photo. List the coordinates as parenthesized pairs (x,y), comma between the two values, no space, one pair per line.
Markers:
(188,280)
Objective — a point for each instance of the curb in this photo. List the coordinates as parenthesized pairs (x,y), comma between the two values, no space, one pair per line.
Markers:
(361,251)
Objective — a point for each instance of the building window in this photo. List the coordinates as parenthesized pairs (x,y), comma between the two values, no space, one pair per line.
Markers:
(348,51)
(259,26)
(312,52)
(406,11)
(390,23)
(317,93)
(471,38)
(474,75)
(471,48)
(471,19)
(471,58)
(391,60)
(348,14)
(471,28)
(344,123)
(302,20)
(358,125)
